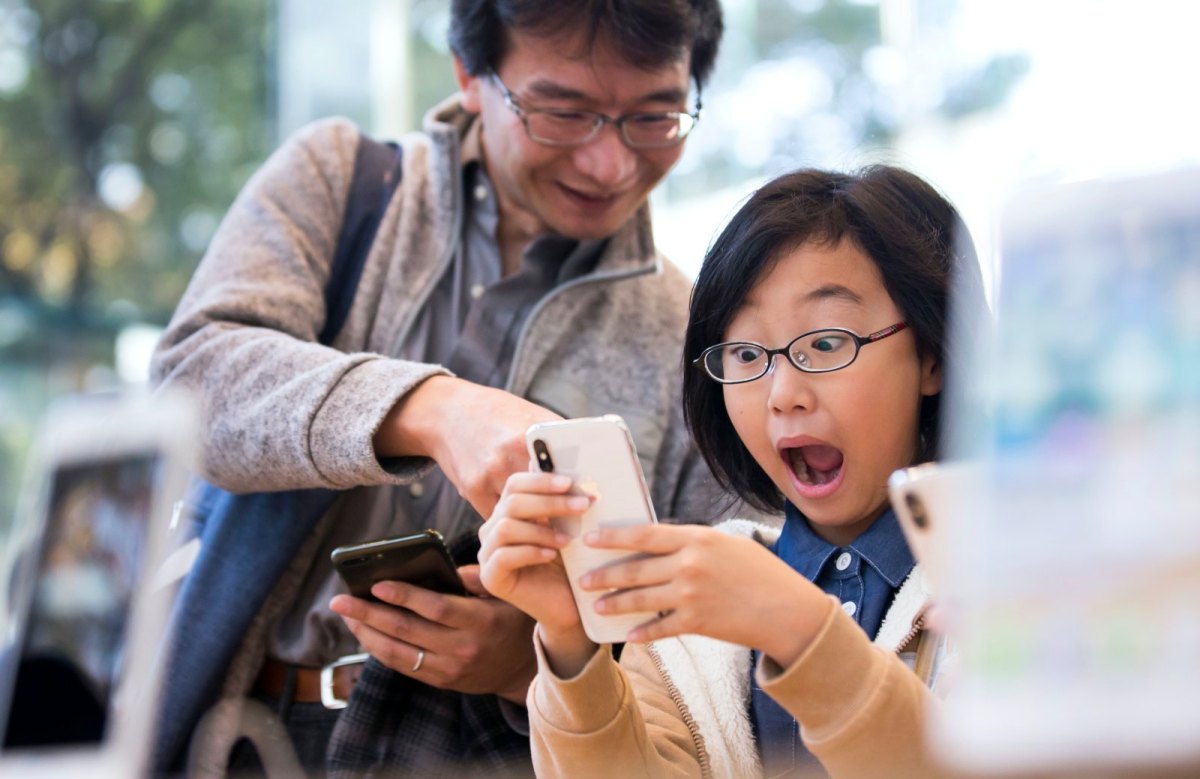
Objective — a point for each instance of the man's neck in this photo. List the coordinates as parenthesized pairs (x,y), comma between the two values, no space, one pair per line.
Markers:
(513,238)
(516,227)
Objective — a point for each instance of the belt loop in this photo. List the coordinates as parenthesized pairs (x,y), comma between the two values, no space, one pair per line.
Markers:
(288,696)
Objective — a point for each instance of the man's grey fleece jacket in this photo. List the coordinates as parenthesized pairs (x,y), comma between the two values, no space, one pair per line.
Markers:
(282,412)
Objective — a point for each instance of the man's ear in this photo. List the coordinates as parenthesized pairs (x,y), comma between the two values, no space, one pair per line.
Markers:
(468,87)
(931,376)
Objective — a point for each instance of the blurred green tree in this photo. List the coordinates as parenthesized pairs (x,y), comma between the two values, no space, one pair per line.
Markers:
(126,128)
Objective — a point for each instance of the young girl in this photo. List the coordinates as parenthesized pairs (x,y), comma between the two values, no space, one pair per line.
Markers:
(818,346)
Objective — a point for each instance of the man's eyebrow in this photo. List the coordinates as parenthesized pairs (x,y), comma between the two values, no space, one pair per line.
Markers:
(545,89)
(834,292)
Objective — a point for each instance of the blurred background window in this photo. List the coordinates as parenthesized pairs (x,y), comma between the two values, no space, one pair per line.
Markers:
(128,126)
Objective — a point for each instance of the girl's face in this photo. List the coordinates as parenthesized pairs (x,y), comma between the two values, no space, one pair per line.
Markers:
(829,441)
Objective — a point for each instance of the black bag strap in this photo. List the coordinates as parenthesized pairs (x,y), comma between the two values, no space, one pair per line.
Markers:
(378,168)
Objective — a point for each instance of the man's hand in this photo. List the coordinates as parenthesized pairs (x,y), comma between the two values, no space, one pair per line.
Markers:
(470,644)
(476,434)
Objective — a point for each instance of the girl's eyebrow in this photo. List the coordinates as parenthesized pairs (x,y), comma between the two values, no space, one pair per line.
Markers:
(834,292)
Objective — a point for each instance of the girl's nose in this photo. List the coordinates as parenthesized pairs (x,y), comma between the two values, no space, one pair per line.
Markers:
(791,388)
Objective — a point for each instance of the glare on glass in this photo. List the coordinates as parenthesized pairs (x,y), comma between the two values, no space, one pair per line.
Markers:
(819,351)
(571,127)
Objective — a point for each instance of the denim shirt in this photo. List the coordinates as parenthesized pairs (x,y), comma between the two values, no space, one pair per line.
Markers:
(864,576)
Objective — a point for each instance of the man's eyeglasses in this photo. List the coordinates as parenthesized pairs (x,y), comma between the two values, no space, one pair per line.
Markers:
(819,351)
(562,127)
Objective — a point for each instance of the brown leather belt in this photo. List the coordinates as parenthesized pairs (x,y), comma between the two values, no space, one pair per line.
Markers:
(330,685)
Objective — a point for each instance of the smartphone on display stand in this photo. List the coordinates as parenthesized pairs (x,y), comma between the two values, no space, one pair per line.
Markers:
(421,559)
(599,454)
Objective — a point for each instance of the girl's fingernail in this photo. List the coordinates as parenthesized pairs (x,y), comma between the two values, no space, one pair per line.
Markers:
(561,539)
(578,502)
(591,537)
(548,553)
(561,482)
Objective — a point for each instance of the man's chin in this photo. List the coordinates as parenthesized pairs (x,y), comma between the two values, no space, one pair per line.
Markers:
(591,227)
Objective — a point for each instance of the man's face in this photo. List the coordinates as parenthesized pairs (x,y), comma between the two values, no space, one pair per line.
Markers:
(585,191)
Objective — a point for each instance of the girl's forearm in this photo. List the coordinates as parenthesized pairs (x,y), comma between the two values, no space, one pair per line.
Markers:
(567,650)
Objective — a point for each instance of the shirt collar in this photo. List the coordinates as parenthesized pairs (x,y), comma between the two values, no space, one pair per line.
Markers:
(800,547)
(472,147)
(882,547)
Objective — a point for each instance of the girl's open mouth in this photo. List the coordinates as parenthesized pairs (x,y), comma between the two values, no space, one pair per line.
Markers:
(817,468)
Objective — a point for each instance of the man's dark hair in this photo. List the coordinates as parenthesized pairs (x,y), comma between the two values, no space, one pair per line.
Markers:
(913,235)
(647,33)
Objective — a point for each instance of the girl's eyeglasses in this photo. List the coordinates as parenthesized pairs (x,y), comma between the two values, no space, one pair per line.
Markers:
(818,351)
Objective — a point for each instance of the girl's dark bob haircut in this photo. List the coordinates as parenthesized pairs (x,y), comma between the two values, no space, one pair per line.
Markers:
(915,237)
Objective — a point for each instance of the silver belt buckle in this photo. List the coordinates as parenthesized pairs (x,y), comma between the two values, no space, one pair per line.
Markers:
(328,699)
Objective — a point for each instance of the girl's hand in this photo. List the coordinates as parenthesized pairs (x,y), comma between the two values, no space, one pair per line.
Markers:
(520,563)
(704,581)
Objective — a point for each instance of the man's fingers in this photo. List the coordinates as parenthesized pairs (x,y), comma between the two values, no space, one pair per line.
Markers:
(470,579)
(452,611)
(400,656)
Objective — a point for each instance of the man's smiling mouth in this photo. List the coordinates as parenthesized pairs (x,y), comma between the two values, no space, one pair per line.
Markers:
(589,197)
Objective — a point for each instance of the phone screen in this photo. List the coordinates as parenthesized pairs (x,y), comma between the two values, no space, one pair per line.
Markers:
(76,633)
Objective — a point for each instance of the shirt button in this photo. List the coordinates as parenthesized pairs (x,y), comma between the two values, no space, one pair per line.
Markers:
(476,290)
(843,561)
(416,489)
(849,607)
(480,192)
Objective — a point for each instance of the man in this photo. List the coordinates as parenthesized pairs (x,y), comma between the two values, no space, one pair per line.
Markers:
(513,280)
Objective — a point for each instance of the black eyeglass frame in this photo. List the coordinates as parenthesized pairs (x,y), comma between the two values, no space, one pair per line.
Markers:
(860,341)
(599,120)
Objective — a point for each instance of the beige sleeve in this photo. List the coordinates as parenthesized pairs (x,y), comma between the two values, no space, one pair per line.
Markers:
(609,720)
(861,710)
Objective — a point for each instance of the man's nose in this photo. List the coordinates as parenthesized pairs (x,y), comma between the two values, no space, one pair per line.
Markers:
(606,159)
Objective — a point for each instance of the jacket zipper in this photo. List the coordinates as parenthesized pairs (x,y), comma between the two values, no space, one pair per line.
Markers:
(917,626)
(453,244)
(541,304)
(673,691)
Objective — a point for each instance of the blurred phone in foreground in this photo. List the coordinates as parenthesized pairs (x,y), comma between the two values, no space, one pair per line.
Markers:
(599,454)
(1077,563)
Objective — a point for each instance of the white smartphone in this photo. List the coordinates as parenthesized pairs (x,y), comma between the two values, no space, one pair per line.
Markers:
(926,498)
(599,454)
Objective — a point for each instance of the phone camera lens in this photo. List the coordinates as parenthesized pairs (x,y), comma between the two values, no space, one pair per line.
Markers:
(543,456)
(917,508)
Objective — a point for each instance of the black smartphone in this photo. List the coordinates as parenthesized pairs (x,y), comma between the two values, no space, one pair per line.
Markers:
(421,559)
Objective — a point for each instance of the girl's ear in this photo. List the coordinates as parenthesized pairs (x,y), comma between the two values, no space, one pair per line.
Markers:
(468,85)
(931,376)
